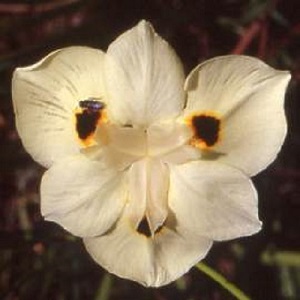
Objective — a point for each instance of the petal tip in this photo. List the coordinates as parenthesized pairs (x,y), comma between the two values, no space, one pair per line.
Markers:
(285,76)
(144,24)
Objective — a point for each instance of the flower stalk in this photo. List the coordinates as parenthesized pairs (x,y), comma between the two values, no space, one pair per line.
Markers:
(222,281)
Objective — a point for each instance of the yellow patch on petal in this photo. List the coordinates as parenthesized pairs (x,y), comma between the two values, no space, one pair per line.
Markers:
(88,116)
(206,127)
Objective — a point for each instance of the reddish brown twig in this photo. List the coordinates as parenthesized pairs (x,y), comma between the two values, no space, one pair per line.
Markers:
(257,26)
(38,8)
(245,40)
(263,40)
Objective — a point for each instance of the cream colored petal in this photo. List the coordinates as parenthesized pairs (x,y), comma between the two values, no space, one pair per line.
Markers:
(137,192)
(157,193)
(144,78)
(214,200)
(82,196)
(150,261)
(249,97)
(124,252)
(168,141)
(181,155)
(165,137)
(117,147)
(45,96)
(148,183)
(176,252)
(131,141)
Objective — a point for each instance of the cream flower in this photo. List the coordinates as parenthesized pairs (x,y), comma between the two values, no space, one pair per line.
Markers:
(148,168)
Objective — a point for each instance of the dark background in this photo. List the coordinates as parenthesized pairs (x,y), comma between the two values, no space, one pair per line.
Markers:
(38,260)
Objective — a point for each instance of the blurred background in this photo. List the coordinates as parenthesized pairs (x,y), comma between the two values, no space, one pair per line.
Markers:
(38,259)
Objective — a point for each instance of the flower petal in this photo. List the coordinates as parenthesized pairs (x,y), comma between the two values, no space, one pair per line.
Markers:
(150,261)
(157,192)
(82,196)
(213,199)
(117,147)
(45,96)
(137,192)
(248,95)
(166,137)
(148,183)
(144,78)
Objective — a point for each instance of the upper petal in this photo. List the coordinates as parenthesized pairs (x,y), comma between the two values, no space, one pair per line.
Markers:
(82,196)
(214,200)
(153,261)
(45,96)
(248,96)
(144,77)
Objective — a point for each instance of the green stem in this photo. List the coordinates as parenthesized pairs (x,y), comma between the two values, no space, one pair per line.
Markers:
(231,288)
(105,288)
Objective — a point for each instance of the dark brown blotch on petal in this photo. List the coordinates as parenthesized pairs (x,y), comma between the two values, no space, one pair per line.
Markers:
(88,116)
(86,123)
(206,130)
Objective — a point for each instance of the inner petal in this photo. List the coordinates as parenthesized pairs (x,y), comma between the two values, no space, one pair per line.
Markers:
(165,137)
(116,146)
(148,192)
(158,188)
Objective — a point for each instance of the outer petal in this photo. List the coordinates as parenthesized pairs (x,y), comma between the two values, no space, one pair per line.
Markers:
(150,261)
(215,200)
(144,77)
(249,95)
(82,196)
(45,96)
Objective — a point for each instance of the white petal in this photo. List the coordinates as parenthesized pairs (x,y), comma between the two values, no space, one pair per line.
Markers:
(148,183)
(137,192)
(144,77)
(176,252)
(117,147)
(165,137)
(157,192)
(169,141)
(214,200)
(45,96)
(82,196)
(181,155)
(131,141)
(249,96)
(150,261)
